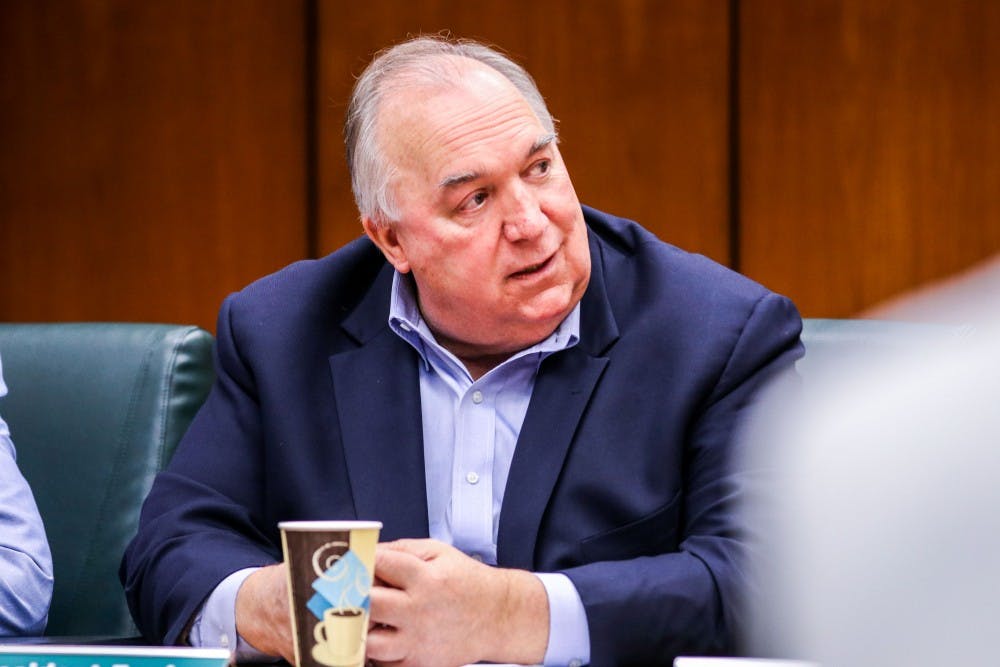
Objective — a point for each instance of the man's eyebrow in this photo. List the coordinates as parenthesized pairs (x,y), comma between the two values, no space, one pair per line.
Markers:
(458,179)
(541,143)
(466,176)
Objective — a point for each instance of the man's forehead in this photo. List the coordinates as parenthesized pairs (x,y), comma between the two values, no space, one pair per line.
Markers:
(436,75)
(412,95)
(461,176)
(447,132)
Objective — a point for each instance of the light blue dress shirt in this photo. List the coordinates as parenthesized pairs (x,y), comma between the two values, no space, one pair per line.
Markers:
(470,431)
(25,560)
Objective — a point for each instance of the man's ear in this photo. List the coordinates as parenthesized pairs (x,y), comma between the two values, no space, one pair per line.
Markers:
(383,234)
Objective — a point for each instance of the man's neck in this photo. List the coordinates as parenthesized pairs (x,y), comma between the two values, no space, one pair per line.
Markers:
(480,366)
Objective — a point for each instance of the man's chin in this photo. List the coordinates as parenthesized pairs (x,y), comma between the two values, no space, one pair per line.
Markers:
(548,309)
(537,324)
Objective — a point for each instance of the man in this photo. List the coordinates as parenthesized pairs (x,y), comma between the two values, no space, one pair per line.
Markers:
(25,559)
(546,391)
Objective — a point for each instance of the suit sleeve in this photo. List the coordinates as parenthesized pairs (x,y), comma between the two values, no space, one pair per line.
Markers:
(202,518)
(648,610)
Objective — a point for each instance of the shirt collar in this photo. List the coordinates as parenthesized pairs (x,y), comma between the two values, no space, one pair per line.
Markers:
(407,322)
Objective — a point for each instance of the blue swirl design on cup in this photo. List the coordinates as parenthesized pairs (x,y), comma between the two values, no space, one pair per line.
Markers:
(344,585)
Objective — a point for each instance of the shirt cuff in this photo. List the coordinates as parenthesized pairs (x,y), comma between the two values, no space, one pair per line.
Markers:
(215,625)
(569,634)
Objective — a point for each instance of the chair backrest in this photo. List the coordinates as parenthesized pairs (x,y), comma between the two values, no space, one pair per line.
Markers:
(95,411)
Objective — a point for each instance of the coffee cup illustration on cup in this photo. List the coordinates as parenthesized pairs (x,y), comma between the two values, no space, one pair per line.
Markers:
(340,637)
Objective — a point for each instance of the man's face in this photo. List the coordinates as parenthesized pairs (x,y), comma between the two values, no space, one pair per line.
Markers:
(489,223)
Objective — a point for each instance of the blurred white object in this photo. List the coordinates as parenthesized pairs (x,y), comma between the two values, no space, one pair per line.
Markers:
(972,296)
(738,662)
(882,538)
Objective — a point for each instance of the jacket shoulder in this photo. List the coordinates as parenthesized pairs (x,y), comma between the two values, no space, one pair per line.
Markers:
(336,281)
(305,303)
(637,263)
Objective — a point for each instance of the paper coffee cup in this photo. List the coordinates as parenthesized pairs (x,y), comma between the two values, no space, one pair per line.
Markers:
(330,570)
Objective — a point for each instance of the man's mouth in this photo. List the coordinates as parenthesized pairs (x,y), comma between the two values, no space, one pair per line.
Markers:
(534,268)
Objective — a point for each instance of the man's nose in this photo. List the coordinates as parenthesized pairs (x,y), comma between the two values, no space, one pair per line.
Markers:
(523,217)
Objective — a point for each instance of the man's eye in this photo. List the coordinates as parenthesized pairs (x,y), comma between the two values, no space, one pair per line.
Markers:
(475,201)
(541,167)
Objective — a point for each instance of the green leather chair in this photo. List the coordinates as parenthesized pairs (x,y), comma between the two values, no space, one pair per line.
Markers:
(95,411)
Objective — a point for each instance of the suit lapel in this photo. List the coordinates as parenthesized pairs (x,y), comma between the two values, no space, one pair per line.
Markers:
(563,388)
(561,393)
(378,403)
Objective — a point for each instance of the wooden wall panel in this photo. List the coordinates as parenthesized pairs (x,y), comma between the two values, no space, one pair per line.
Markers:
(153,155)
(640,88)
(870,137)
(157,155)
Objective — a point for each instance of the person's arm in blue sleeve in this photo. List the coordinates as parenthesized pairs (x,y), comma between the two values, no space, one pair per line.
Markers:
(25,560)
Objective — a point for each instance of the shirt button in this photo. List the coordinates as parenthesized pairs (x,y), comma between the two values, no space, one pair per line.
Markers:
(477,397)
(224,640)
(472,478)
(404,326)
(575,662)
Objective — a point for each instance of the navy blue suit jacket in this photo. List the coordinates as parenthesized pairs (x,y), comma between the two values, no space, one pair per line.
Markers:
(621,477)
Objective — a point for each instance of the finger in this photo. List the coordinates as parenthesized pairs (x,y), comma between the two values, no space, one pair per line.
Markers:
(423,549)
(389,606)
(384,645)
(397,568)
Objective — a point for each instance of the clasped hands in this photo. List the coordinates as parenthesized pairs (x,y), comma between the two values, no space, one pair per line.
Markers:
(430,605)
